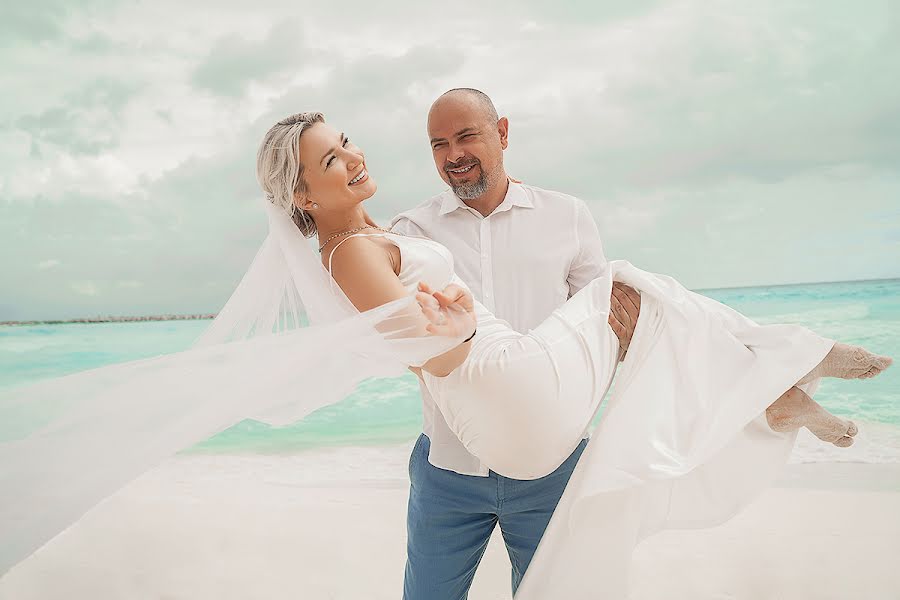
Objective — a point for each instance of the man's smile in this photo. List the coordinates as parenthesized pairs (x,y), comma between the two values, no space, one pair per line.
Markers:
(461,170)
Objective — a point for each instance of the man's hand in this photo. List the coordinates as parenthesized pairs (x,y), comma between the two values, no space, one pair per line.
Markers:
(624,309)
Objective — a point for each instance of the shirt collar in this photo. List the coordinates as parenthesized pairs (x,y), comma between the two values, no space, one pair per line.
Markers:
(515,196)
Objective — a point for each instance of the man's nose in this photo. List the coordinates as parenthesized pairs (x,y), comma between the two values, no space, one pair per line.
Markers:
(455,153)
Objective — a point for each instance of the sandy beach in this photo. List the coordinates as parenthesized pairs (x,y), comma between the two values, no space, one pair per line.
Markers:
(330,524)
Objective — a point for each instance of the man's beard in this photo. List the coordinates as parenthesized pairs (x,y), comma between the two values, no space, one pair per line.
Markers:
(471,190)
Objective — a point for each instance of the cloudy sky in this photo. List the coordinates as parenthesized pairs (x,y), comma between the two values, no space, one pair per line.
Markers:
(725,143)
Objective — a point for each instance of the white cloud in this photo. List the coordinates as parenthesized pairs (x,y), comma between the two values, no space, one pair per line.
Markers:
(85,288)
(48,264)
(725,144)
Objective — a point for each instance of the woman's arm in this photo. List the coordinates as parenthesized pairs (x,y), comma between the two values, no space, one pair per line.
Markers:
(365,273)
(451,313)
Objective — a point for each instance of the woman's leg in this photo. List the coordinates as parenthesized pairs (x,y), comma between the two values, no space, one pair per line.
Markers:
(794,409)
(849,362)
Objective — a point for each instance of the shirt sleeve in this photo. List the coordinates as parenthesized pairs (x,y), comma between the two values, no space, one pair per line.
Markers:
(590,261)
(403,225)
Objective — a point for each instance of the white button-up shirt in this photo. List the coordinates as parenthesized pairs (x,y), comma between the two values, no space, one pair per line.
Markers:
(522,261)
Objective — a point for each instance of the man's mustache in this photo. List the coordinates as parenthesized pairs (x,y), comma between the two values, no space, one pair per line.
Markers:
(459,165)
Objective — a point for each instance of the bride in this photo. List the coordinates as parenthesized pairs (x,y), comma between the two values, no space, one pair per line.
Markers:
(703,414)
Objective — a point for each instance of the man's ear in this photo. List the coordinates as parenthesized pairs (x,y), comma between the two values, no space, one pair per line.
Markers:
(503,130)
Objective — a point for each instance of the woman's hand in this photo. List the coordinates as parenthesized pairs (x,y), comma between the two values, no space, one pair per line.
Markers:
(450,312)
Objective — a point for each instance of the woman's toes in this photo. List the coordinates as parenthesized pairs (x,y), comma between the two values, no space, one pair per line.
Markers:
(852,429)
(849,362)
(877,364)
(844,442)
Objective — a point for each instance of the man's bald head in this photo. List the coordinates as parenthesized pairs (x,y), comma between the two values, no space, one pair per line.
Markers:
(476,99)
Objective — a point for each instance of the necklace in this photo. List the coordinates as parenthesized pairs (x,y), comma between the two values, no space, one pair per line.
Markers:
(348,232)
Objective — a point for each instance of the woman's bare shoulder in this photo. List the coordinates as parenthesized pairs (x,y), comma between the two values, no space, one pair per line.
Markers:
(349,250)
(364,269)
(365,249)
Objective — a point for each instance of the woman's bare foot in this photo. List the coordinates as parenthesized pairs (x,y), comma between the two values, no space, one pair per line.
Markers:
(849,362)
(795,409)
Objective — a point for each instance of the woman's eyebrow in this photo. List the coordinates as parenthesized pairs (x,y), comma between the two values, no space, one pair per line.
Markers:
(332,149)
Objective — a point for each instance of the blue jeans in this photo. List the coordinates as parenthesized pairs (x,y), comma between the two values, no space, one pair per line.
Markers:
(451,516)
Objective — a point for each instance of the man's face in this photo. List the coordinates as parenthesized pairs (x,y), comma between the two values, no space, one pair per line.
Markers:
(467,145)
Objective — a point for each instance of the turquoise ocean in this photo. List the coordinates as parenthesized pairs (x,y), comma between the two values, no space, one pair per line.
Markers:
(388,411)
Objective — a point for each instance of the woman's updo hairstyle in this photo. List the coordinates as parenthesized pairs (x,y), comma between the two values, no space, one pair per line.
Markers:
(278,167)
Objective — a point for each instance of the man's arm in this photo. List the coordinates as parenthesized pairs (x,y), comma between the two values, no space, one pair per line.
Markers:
(403,225)
(590,262)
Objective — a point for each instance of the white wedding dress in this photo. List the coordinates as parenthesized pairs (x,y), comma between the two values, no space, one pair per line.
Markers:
(682,441)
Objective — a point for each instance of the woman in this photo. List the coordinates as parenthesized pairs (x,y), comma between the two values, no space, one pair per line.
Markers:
(521,403)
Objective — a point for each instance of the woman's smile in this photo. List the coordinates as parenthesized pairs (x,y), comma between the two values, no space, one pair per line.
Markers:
(360,178)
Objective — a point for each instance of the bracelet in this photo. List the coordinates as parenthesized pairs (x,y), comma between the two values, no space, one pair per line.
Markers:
(469,339)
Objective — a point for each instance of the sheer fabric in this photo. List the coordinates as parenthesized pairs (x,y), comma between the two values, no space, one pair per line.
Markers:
(285,344)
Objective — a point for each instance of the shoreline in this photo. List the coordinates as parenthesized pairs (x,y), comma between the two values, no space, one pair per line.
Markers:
(877,443)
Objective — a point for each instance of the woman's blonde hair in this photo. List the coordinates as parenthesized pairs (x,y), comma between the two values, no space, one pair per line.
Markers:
(278,167)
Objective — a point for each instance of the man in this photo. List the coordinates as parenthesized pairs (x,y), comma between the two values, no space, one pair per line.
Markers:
(523,251)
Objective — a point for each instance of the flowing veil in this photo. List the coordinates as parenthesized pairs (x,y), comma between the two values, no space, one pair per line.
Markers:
(287,342)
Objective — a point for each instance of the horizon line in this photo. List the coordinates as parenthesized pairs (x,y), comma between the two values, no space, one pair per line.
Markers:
(768,285)
(207,316)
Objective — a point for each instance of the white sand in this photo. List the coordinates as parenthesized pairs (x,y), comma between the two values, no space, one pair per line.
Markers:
(330,524)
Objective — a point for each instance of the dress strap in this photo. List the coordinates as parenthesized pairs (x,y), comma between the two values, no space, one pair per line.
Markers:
(336,246)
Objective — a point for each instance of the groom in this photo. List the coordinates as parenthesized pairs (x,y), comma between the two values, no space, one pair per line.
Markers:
(522,251)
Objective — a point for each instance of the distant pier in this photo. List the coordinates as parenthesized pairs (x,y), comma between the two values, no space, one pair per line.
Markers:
(113,319)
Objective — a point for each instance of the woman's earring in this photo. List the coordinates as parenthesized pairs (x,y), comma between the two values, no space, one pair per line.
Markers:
(315,205)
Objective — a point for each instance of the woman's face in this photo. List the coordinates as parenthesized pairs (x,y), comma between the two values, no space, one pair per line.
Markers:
(334,170)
